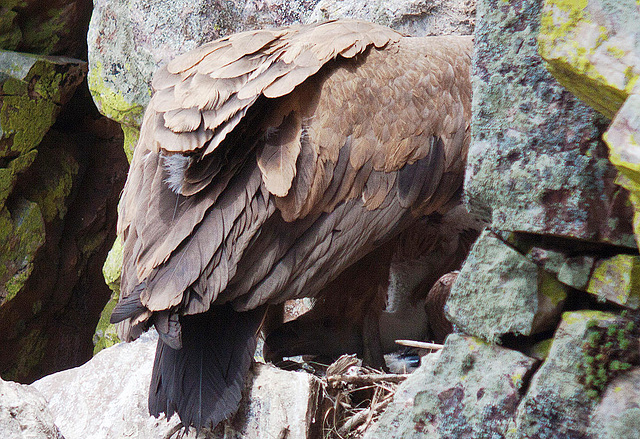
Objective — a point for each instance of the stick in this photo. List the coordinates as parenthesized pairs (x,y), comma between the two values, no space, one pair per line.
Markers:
(419,344)
(362,416)
(367,379)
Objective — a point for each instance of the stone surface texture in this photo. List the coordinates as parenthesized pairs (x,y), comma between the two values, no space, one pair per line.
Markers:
(471,389)
(497,284)
(557,403)
(618,414)
(61,171)
(536,162)
(24,413)
(623,139)
(593,49)
(106,398)
(54,27)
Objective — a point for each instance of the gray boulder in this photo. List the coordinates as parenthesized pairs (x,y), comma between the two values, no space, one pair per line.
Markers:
(470,389)
(618,413)
(24,413)
(106,398)
(536,162)
(500,291)
(564,392)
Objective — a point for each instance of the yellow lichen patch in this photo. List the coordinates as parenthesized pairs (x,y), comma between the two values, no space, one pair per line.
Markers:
(617,279)
(623,140)
(111,103)
(573,317)
(516,380)
(131,136)
(552,289)
(591,54)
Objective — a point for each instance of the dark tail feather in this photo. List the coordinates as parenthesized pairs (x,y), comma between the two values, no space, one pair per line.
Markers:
(130,306)
(203,381)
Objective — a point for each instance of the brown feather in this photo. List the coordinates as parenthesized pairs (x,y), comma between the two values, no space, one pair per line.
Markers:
(269,161)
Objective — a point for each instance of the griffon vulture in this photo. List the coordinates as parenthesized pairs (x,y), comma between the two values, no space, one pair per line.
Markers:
(398,291)
(268,162)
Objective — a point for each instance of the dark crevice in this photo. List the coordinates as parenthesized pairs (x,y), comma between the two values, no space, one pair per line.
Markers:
(571,247)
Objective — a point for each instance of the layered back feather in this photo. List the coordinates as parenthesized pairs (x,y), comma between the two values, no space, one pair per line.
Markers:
(271,160)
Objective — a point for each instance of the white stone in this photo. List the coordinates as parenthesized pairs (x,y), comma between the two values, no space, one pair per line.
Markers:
(106,398)
(24,413)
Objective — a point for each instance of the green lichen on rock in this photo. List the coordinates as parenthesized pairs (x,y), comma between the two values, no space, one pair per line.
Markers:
(499,291)
(105,334)
(617,279)
(33,90)
(31,354)
(131,136)
(557,400)
(541,349)
(56,172)
(590,46)
(112,103)
(41,36)
(470,389)
(9,175)
(623,140)
(10,33)
(22,233)
(551,297)
(112,267)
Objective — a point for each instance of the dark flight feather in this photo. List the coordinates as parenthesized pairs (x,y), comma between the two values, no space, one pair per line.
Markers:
(203,381)
(129,307)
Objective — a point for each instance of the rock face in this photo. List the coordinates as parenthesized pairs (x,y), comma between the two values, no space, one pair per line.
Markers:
(593,49)
(56,27)
(34,89)
(24,413)
(561,234)
(472,389)
(536,163)
(563,392)
(61,171)
(106,398)
(617,414)
(499,284)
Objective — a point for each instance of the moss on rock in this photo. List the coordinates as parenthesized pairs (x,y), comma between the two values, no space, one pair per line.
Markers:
(105,334)
(22,233)
(33,90)
(31,353)
(10,33)
(57,169)
(557,401)
(112,103)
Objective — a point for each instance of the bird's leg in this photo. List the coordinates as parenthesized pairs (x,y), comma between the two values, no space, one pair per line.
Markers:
(273,319)
(372,346)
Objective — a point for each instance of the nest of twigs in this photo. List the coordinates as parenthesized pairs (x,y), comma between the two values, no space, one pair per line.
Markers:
(354,397)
